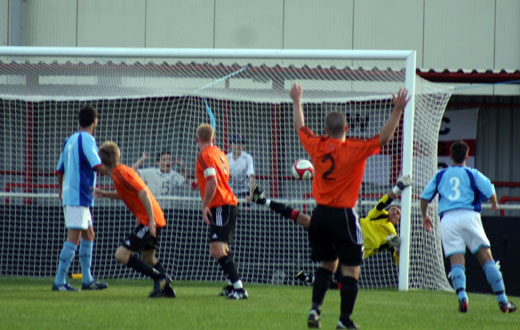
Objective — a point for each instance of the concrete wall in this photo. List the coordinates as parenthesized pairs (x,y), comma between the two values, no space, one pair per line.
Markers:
(4,22)
(468,34)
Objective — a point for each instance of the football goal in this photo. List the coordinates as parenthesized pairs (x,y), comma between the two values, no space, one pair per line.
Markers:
(152,100)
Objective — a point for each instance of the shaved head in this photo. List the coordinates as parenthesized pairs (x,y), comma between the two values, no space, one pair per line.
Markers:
(335,124)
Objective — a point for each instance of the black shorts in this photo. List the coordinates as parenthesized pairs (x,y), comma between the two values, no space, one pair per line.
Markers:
(336,232)
(141,239)
(222,225)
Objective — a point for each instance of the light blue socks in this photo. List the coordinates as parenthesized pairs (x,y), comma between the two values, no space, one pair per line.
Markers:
(67,254)
(458,279)
(494,277)
(85,258)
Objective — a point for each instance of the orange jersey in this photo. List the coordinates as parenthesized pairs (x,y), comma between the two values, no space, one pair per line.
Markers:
(212,162)
(339,167)
(128,185)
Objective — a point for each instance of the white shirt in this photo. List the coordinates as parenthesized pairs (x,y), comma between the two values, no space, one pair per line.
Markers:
(240,170)
(161,183)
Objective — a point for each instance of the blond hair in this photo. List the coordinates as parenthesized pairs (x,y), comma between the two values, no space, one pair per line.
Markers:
(110,154)
(205,133)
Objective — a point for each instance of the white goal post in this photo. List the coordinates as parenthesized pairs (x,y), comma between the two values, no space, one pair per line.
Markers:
(251,79)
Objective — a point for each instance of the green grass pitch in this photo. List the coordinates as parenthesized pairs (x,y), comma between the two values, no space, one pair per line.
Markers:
(28,303)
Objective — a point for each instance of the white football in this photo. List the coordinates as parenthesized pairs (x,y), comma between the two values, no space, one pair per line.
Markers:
(302,169)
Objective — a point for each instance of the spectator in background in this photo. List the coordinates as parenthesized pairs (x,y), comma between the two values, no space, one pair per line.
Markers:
(161,179)
(241,169)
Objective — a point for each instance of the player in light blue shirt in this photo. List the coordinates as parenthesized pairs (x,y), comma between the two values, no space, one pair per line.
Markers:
(76,171)
(78,159)
(461,190)
(459,187)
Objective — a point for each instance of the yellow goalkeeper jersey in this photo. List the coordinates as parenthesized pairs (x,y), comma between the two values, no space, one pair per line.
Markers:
(376,228)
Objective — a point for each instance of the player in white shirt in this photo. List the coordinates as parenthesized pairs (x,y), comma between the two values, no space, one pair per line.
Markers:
(161,179)
(461,189)
(241,168)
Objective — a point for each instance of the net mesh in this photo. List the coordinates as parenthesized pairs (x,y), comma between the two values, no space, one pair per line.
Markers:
(155,105)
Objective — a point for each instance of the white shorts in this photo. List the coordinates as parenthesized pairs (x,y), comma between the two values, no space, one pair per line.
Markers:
(460,229)
(77,217)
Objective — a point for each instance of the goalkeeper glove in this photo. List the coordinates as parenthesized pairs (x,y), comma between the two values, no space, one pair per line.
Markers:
(258,195)
(302,276)
(402,182)
(394,241)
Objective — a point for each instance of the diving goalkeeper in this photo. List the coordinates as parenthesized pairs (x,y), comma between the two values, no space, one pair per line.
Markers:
(378,226)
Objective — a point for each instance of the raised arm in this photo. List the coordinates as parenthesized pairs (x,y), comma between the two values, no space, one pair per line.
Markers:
(140,161)
(403,182)
(388,130)
(296,95)
(385,201)
(182,167)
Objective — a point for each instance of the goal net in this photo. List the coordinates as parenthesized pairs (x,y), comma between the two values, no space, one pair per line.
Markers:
(151,101)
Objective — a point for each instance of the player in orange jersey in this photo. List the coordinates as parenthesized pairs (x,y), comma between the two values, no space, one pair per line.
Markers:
(150,220)
(334,231)
(219,207)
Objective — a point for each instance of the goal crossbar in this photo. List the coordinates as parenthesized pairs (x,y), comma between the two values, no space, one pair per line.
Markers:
(206,53)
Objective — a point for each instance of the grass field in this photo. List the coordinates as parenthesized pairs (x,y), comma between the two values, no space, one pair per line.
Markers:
(27,303)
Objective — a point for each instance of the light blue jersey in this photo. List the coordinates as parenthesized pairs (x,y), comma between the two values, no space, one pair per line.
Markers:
(77,161)
(459,187)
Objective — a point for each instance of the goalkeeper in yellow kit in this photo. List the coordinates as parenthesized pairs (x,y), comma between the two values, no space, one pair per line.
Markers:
(378,226)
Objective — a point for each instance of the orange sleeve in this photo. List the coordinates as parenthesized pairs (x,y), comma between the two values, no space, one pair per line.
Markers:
(364,148)
(308,139)
(209,160)
(128,185)
(129,181)
(202,160)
